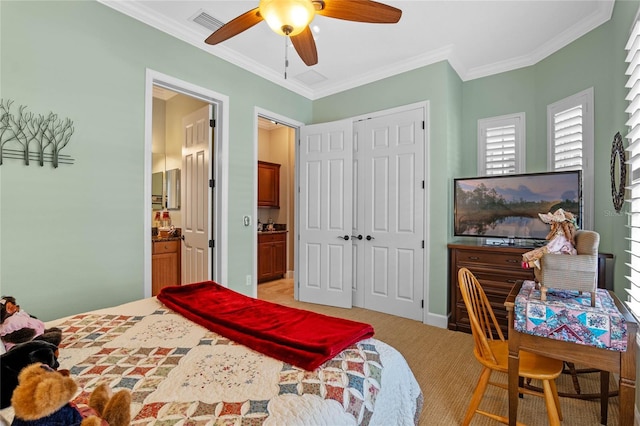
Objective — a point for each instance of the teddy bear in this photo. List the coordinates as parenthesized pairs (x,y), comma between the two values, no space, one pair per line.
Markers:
(43,395)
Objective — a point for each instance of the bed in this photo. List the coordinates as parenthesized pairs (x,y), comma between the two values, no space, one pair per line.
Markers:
(181,373)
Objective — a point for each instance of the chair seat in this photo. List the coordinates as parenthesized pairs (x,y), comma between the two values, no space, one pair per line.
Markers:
(532,366)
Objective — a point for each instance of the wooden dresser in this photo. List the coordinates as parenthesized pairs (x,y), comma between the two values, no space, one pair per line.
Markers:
(497,268)
(165,264)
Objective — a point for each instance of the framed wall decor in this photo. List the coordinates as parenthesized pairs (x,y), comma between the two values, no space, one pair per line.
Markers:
(618,171)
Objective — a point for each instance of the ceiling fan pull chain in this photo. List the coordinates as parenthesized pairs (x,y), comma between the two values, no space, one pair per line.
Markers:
(286,57)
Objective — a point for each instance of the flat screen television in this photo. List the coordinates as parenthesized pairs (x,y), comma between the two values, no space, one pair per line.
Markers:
(507,206)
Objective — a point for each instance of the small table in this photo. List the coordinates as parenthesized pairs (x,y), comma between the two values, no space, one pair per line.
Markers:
(621,363)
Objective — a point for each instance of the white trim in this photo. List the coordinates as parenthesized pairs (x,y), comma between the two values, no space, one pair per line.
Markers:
(221,158)
(519,121)
(584,98)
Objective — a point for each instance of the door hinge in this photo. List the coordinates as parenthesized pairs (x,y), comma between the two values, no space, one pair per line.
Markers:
(423,125)
(422,303)
(212,183)
(422,184)
(422,243)
(212,123)
(212,243)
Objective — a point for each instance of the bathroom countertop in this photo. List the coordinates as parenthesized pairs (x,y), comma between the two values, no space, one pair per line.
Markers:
(159,239)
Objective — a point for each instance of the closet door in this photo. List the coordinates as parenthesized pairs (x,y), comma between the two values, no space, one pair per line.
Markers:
(389,153)
(324,249)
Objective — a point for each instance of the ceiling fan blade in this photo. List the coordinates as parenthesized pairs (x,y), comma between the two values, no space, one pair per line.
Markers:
(235,26)
(359,11)
(306,46)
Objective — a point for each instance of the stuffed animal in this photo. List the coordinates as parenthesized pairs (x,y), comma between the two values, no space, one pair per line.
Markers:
(561,238)
(43,399)
(20,356)
(17,326)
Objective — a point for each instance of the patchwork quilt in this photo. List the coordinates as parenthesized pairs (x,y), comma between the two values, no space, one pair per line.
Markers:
(569,316)
(180,373)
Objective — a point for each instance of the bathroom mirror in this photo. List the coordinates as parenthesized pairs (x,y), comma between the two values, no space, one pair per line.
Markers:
(156,191)
(173,189)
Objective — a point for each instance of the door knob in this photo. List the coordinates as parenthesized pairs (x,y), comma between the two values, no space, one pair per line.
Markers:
(369,238)
(346,238)
(359,237)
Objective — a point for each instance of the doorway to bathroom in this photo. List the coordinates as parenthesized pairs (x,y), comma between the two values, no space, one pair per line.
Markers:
(184,137)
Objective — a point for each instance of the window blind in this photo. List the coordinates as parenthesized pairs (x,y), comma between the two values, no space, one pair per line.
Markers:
(567,136)
(501,144)
(500,150)
(633,189)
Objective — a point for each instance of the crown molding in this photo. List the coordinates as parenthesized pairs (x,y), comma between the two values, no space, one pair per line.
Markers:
(147,16)
(571,34)
(138,11)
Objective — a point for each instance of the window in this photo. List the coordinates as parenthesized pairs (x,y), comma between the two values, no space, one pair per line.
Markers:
(633,193)
(501,145)
(570,143)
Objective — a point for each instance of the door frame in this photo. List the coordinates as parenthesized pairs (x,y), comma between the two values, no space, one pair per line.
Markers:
(295,125)
(218,257)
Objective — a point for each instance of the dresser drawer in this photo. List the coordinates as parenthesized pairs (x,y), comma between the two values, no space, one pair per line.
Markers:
(495,260)
(166,247)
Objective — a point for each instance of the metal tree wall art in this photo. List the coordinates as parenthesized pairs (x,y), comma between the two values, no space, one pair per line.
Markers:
(26,136)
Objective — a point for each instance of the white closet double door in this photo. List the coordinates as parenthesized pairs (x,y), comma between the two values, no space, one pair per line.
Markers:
(361,209)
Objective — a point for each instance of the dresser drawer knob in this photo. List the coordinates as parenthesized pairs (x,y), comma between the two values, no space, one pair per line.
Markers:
(512,261)
(474,258)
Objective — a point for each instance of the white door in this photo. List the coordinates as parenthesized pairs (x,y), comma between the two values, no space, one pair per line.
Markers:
(389,153)
(195,195)
(324,248)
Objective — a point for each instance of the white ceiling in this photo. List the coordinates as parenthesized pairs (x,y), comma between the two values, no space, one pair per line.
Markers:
(477,37)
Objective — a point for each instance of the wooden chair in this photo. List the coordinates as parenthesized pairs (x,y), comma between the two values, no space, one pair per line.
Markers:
(492,351)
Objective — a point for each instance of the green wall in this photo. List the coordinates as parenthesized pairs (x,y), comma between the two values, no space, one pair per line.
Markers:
(71,239)
(594,60)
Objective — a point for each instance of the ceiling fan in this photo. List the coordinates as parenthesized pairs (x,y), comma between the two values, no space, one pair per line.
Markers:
(292,17)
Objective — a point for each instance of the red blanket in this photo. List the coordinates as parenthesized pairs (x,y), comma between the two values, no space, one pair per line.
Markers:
(302,338)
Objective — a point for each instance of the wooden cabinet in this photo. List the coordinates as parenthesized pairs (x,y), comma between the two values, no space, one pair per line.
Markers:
(497,268)
(268,184)
(165,264)
(272,256)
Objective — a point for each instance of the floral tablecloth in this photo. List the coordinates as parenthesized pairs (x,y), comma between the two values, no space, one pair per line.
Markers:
(569,316)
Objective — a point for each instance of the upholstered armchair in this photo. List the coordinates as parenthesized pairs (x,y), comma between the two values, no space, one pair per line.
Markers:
(572,272)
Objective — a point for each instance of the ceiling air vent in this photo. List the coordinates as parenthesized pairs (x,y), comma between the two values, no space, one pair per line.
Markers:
(206,20)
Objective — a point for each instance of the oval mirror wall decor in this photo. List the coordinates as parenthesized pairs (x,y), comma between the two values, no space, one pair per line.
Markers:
(618,172)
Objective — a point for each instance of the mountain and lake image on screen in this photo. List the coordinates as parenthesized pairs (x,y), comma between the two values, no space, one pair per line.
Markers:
(507,206)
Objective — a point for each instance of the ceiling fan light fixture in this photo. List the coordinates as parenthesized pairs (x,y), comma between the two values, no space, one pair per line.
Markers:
(287,17)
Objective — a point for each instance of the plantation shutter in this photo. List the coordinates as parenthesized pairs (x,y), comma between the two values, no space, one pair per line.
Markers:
(633,191)
(567,136)
(570,143)
(501,144)
(500,150)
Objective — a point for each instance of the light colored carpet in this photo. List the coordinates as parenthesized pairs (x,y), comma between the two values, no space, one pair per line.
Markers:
(444,365)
